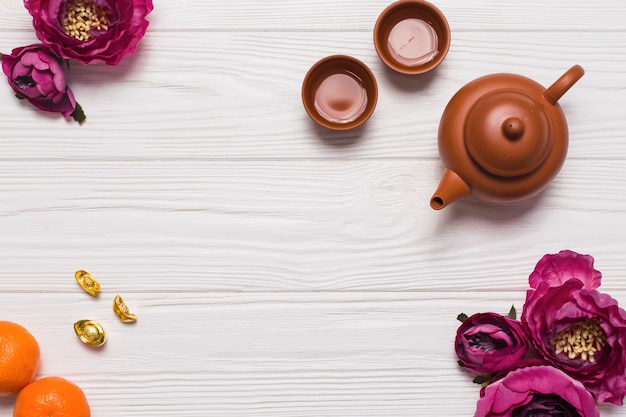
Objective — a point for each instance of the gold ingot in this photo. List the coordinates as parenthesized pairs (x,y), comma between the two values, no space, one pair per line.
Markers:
(122,310)
(90,332)
(87,282)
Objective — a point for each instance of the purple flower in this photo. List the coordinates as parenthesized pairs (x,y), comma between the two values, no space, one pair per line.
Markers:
(536,391)
(488,343)
(558,268)
(37,76)
(580,331)
(90,31)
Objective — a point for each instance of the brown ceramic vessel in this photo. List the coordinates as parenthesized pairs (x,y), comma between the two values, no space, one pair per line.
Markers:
(502,138)
(403,35)
(339,92)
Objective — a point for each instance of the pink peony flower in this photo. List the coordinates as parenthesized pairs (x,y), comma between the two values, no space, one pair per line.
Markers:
(579,330)
(536,391)
(559,268)
(489,343)
(37,76)
(90,31)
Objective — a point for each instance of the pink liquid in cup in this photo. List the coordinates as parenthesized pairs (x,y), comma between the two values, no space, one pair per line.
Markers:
(341,98)
(413,42)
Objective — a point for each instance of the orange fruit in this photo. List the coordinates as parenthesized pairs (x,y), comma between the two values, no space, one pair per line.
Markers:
(19,358)
(51,396)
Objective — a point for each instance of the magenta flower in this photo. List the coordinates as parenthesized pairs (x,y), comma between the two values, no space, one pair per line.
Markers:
(536,391)
(90,31)
(559,268)
(489,343)
(37,76)
(579,330)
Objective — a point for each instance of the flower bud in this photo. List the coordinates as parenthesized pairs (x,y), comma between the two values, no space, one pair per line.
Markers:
(488,343)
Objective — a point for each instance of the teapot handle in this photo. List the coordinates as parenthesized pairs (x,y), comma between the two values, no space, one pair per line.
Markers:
(564,83)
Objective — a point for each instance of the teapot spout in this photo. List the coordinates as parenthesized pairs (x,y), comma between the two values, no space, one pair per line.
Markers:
(564,83)
(451,188)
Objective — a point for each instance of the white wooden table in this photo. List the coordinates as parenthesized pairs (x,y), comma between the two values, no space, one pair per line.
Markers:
(276,268)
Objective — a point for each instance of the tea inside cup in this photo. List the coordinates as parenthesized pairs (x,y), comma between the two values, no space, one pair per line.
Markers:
(339,92)
(412,36)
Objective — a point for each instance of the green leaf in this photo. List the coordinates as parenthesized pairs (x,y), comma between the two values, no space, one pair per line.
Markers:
(79,114)
(462,317)
(512,313)
(19,97)
(482,379)
(460,364)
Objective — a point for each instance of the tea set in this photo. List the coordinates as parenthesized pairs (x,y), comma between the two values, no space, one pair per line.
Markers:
(502,137)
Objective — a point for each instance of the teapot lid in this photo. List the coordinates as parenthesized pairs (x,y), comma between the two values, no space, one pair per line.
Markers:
(508,133)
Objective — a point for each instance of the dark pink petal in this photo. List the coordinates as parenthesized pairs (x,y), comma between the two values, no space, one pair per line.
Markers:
(540,379)
(556,269)
(488,343)
(549,310)
(71,103)
(29,59)
(58,75)
(508,397)
(57,98)
(44,56)
(8,62)
(19,70)
(45,84)
(519,388)
(128,26)
(55,9)
(37,76)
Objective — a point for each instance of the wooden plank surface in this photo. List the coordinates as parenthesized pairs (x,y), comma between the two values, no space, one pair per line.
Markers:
(290,226)
(354,15)
(296,354)
(279,269)
(215,105)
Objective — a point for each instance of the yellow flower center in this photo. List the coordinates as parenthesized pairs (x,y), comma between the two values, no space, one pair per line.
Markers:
(84,19)
(582,340)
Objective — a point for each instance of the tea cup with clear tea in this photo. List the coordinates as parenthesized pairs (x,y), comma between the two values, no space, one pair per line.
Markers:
(412,36)
(339,92)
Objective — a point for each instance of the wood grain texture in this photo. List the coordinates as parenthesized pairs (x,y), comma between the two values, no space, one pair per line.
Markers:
(170,101)
(354,15)
(382,354)
(277,268)
(290,226)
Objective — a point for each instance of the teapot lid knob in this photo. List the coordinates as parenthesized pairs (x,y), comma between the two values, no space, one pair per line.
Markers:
(507,133)
(513,128)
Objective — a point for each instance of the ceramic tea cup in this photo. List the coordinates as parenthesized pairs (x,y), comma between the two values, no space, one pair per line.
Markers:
(412,36)
(339,92)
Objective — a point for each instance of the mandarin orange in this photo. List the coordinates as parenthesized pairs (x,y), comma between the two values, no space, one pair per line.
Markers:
(19,358)
(51,396)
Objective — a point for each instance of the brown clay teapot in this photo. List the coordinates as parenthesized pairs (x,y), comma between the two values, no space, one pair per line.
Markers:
(502,138)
